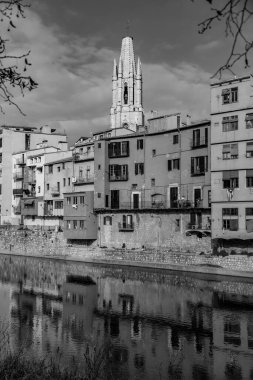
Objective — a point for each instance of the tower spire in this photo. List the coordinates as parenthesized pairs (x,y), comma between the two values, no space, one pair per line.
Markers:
(126,109)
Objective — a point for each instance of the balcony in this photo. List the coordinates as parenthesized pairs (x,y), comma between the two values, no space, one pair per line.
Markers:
(199,143)
(83,156)
(55,191)
(30,179)
(124,227)
(18,192)
(160,205)
(18,176)
(198,172)
(83,180)
(119,177)
(20,161)
(17,210)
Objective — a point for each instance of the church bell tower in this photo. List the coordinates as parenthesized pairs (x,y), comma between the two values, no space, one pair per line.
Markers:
(126,109)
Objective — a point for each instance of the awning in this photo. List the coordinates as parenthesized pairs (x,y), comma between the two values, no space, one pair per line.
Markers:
(249,117)
(226,148)
(249,173)
(230,174)
(29,202)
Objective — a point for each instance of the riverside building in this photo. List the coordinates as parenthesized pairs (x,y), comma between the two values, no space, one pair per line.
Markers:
(232,161)
(16,139)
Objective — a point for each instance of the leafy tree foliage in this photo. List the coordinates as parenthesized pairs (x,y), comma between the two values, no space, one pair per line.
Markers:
(13,68)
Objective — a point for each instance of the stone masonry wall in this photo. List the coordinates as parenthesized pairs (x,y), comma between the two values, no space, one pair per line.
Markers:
(151,231)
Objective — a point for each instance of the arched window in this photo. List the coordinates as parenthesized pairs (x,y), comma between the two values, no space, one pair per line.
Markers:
(125,93)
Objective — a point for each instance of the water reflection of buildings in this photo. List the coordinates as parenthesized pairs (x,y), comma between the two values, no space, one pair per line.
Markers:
(155,326)
(233,336)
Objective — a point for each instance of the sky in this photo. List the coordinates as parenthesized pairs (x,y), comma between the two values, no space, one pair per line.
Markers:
(73,44)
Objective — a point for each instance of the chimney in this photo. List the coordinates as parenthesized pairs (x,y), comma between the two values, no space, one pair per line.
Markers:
(188,119)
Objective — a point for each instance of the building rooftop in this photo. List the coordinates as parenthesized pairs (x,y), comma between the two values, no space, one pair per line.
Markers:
(66,159)
(232,80)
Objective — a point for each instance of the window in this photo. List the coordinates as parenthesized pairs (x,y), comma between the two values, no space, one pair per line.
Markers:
(118,149)
(107,220)
(99,195)
(58,186)
(139,168)
(115,199)
(38,189)
(127,221)
(1,143)
(229,151)
(58,205)
(64,182)
(68,200)
(82,199)
(69,181)
(68,224)
(118,172)
(230,179)
(249,178)
(249,219)
(230,123)
(152,181)
(176,163)
(1,158)
(230,219)
(74,200)
(175,139)
(81,224)
(63,165)
(0,188)
(140,144)
(249,120)
(199,165)
(58,168)
(249,149)
(47,186)
(50,168)
(209,198)
(99,145)
(153,152)
(27,141)
(99,167)
(75,224)
(107,201)
(229,95)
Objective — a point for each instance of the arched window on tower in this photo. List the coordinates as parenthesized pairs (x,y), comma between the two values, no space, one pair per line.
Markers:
(125,93)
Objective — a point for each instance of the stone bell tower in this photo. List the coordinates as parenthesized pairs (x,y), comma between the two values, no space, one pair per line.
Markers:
(126,109)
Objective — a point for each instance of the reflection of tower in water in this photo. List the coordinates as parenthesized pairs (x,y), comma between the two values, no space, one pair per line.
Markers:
(79,304)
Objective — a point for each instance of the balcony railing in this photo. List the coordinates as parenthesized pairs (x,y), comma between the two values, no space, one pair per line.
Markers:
(83,180)
(198,172)
(20,161)
(198,226)
(126,227)
(18,176)
(83,156)
(17,210)
(161,205)
(201,143)
(55,191)
(119,177)
(18,192)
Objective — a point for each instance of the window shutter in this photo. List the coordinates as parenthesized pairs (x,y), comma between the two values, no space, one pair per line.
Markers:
(110,150)
(201,164)
(192,165)
(233,224)
(141,144)
(169,165)
(234,149)
(136,169)
(142,168)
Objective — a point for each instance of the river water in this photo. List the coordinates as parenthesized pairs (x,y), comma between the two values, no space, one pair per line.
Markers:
(159,325)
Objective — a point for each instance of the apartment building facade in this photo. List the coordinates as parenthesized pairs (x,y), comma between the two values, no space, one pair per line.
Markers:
(232,160)
(153,184)
(17,139)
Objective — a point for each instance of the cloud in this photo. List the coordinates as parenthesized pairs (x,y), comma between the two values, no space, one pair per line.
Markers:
(74,76)
(208,45)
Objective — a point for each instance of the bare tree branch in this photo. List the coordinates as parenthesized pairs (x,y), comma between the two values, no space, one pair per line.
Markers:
(11,77)
(234,14)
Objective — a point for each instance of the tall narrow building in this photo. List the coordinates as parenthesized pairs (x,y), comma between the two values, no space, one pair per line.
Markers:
(126,109)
